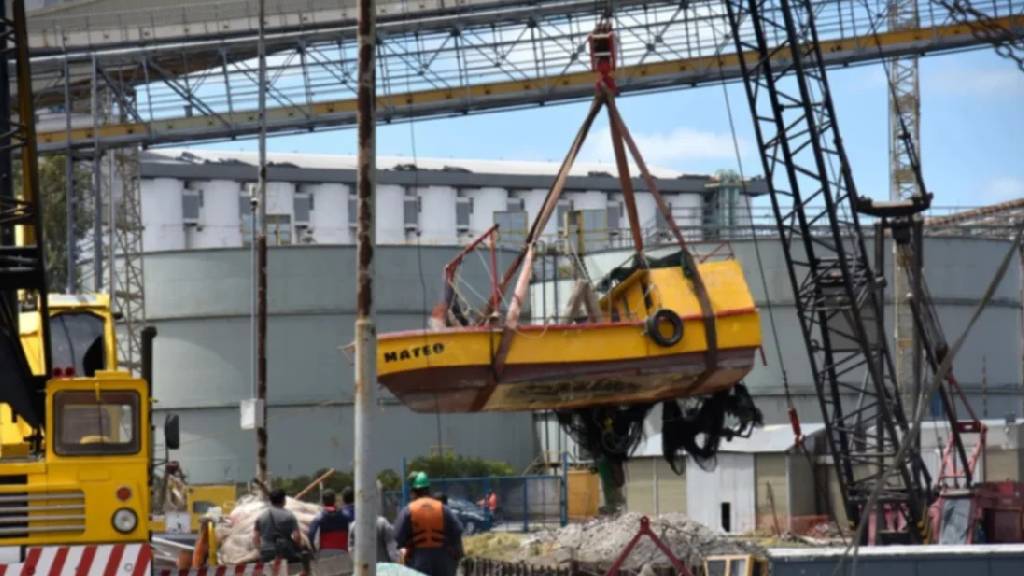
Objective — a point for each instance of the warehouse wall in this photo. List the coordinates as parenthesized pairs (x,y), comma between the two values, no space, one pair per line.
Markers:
(652,488)
(200,302)
(957,272)
(773,502)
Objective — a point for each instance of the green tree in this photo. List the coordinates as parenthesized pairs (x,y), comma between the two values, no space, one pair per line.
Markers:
(450,465)
(338,481)
(53,196)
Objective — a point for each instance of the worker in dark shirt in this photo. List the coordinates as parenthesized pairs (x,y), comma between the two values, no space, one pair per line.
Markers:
(332,526)
(348,498)
(276,534)
(429,532)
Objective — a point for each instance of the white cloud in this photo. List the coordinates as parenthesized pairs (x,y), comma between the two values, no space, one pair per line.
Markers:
(1004,188)
(672,149)
(985,82)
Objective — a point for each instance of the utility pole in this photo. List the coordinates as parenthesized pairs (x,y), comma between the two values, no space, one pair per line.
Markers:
(365,560)
(261,265)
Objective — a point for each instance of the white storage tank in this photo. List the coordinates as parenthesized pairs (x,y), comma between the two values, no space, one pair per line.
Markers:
(329,217)
(162,215)
(485,202)
(437,215)
(220,222)
(280,205)
(390,214)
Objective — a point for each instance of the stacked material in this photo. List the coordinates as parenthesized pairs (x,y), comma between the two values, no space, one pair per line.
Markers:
(235,533)
(601,541)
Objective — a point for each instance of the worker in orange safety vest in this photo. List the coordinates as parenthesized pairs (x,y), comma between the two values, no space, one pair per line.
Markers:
(429,532)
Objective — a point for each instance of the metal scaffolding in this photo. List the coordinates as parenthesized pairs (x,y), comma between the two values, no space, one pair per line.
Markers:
(125,257)
(904,146)
(458,62)
(838,300)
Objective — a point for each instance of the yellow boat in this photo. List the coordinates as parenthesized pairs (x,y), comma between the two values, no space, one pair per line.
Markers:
(557,366)
(661,330)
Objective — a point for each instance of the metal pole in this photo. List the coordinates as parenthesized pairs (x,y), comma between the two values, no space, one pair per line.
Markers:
(69,187)
(97,188)
(261,268)
(365,560)
(8,298)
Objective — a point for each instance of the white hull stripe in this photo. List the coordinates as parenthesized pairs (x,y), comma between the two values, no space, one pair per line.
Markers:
(99,560)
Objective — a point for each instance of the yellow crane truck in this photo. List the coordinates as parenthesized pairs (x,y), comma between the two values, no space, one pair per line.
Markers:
(79,477)
(75,447)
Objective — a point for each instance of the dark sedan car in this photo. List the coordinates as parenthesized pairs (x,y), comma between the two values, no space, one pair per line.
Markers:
(474,518)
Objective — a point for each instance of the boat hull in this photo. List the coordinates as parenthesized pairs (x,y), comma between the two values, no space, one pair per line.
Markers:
(562,366)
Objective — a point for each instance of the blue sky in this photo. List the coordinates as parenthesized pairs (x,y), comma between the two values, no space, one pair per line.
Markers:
(972,130)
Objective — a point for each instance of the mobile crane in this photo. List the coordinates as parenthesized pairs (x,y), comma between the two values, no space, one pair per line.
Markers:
(839,296)
(75,456)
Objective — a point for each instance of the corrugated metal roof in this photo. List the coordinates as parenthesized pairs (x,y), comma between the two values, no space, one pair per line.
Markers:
(345,162)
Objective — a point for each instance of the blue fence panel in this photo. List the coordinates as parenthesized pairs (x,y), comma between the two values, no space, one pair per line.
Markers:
(520,503)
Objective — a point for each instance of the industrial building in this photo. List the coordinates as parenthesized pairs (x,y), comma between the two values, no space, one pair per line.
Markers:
(849,307)
(198,282)
(201,199)
(198,271)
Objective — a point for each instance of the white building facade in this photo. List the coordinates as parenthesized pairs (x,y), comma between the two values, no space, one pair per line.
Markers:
(201,200)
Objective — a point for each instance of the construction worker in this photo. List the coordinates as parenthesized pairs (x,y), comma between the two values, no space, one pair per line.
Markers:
(429,532)
(276,534)
(348,506)
(332,525)
(387,548)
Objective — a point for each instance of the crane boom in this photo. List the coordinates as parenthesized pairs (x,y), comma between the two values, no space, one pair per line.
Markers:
(22,258)
(837,295)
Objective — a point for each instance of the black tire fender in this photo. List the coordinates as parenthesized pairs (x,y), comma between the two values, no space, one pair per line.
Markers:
(654,322)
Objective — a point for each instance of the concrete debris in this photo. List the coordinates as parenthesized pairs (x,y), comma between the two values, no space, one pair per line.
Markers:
(234,533)
(601,541)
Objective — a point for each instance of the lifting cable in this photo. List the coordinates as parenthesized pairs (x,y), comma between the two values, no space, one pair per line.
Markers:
(777,342)
(794,417)
(906,443)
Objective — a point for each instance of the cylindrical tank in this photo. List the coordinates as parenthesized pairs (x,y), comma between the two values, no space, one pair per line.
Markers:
(161,203)
(330,217)
(220,214)
(390,211)
(486,201)
(437,215)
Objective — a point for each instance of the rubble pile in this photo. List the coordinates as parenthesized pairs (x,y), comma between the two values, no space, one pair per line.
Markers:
(234,533)
(601,541)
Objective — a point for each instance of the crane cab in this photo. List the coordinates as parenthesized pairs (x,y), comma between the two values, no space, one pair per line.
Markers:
(89,482)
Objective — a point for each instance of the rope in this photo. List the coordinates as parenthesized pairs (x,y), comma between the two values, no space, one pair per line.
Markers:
(753,232)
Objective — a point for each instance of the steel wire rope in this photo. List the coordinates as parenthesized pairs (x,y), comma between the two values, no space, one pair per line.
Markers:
(874,21)
(936,382)
(801,446)
(911,149)
(753,230)
(768,300)
(419,258)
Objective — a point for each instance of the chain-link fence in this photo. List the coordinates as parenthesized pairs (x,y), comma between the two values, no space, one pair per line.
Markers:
(499,504)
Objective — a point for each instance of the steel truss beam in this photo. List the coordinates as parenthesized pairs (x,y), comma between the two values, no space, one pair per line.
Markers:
(22,254)
(837,296)
(455,65)
(904,140)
